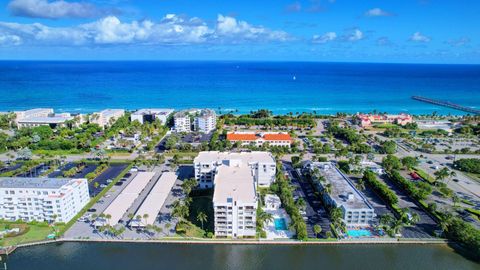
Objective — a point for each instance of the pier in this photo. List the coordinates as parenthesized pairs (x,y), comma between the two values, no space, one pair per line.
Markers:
(446,104)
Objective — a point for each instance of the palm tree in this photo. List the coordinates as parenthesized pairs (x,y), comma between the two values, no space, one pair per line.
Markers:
(108,217)
(301,203)
(317,229)
(145,217)
(455,199)
(415,218)
(441,174)
(202,217)
(452,174)
(445,221)
(265,217)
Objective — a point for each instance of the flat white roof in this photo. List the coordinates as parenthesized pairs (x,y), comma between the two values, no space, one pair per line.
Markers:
(109,112)
(153,111)
(342,187)
(46,120)
(247,157)
(235,182)
(126,198)
(154,201)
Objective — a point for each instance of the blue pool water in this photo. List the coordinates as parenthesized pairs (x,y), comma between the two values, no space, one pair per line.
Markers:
(359,233)
(280,224)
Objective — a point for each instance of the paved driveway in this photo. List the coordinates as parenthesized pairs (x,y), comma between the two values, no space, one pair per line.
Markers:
(315,213)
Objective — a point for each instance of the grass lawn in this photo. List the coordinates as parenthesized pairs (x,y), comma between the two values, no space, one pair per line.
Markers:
(35,233)
(182,154)
(425,176)
(473,176)
(202,203)
(52,153)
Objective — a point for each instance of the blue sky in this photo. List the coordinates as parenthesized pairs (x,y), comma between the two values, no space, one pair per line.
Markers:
(405,31)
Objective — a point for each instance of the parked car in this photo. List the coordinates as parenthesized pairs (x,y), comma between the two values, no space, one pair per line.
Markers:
(92,210)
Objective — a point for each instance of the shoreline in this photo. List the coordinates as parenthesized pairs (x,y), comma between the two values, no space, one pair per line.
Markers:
(237,242)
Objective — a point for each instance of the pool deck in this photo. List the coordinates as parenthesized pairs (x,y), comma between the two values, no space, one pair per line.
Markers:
(269,226)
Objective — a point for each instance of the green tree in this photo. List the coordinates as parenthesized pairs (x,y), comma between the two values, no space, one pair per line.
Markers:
(317,229)
(202,217)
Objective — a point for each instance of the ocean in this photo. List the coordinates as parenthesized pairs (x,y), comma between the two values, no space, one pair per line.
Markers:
(239,87)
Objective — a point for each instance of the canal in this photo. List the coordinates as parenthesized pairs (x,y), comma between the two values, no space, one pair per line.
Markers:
(73,256)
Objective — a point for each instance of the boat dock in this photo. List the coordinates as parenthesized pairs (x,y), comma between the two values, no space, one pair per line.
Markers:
(447,104)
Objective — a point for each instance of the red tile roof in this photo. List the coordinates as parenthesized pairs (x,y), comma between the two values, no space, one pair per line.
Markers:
(277,137)
(241,137)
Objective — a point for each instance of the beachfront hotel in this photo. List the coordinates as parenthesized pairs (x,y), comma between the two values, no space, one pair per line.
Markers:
(207,163)
(250,138)
(235,200)
(42,199)
(204,120)
(357,211)
(150,115)
(367,120)
(106,117)
(42,117)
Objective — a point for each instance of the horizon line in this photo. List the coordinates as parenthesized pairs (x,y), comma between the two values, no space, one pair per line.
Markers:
(234,60)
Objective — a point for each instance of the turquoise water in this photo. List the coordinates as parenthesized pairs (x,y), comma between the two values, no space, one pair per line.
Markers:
(324,88)
(359,233)
(280,224)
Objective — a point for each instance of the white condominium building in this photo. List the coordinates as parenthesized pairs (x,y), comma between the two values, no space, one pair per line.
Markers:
(182,122)
(262,165)
(357,211)
(42,199)
(235,200)
(106,117)
(150,115)
(206,121)
(33,113)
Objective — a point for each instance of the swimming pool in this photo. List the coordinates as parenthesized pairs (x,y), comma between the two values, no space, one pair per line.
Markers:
(359,233)
(280,224)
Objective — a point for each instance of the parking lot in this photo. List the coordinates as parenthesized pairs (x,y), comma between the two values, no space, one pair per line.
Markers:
(164,220)
(426,227)
(314,211)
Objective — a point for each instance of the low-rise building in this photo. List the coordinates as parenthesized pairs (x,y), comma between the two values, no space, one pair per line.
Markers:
(356,210)
(262,165)
(44,117)
(32,113)
(42,199)
(258,139)
(235,200)
(150,115)
(106,117)
(367,120)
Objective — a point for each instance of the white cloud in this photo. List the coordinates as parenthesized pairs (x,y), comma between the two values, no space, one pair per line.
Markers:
(327,37)
(458,42)
(419,37)
(53,9)
(377,12)
(10,40)
(229,29)
(356,35)
(172,29)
